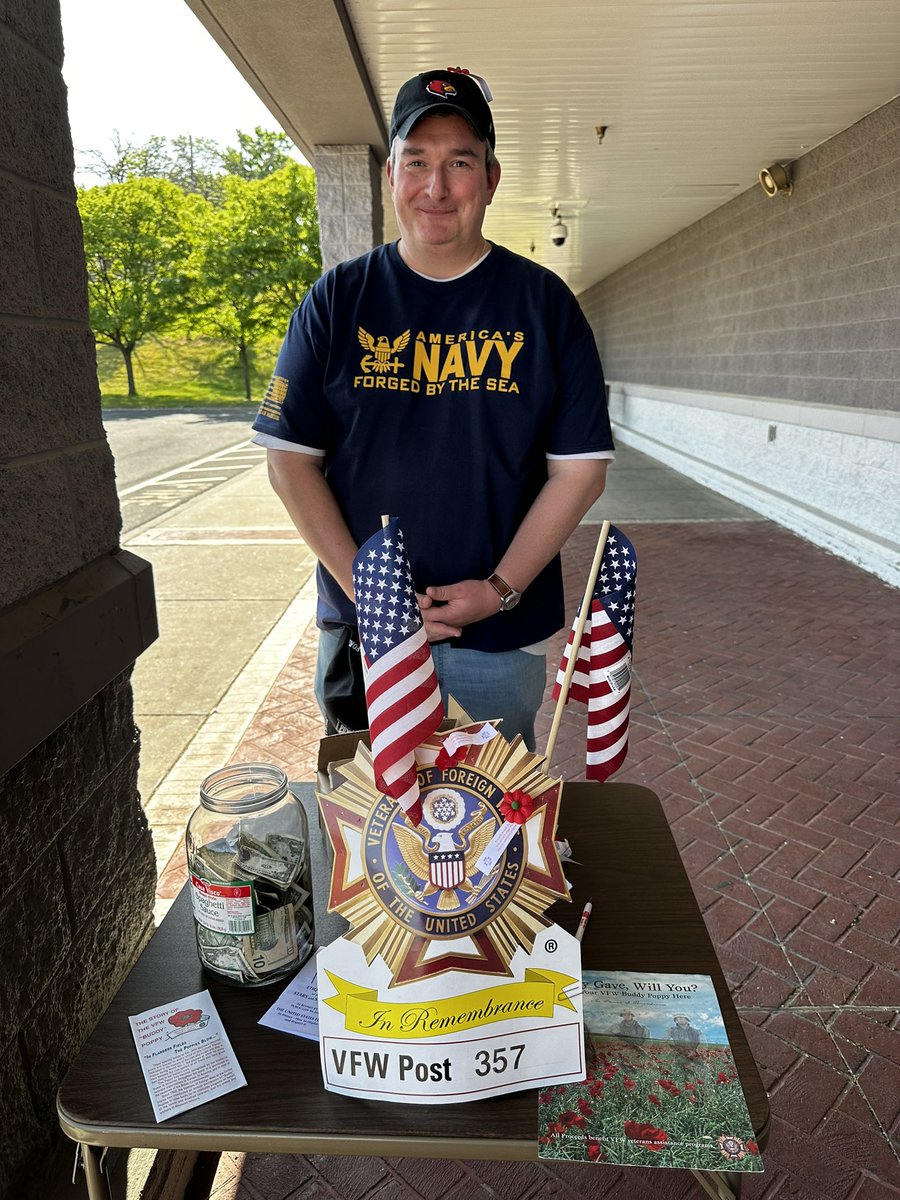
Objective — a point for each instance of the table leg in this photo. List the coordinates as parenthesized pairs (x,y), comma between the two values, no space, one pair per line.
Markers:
(97,1181)
(720,1185)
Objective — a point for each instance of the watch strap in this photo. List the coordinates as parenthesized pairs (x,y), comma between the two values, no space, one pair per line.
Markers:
(500,586)
(509,597)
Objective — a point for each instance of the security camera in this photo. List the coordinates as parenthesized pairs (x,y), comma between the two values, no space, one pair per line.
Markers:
(558,232)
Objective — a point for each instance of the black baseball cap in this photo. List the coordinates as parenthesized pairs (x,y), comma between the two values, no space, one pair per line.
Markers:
(453,90)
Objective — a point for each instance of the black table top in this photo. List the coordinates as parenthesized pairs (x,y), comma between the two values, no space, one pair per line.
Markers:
(645,918)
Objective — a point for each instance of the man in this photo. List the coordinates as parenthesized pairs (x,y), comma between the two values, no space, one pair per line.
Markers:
(682,1033)
(456,386)
(629,1026)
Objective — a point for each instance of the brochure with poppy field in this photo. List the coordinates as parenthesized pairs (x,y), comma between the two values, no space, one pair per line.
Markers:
(661,1088)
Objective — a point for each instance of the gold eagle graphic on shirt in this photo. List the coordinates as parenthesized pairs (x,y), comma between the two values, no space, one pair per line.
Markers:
(380,350)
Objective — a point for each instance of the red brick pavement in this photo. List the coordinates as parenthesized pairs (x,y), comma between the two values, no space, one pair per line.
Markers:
(765,717)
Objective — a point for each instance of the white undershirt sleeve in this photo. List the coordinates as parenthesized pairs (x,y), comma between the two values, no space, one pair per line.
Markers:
(276,443)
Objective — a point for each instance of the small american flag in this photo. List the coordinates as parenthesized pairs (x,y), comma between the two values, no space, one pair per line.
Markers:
(402,693)
(602,676)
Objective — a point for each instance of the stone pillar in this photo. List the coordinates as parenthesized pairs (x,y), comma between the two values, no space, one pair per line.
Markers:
(348,190)
(77,872)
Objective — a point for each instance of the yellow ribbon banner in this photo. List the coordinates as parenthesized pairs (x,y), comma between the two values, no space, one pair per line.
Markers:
(365,1013)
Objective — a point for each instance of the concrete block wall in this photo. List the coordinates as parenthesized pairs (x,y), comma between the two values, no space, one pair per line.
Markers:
(784,313)
(78,888)
(348,194)
(58,504)
(77,873)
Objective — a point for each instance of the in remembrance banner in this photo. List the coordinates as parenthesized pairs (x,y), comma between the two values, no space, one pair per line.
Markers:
(453,1037)
(661,1088)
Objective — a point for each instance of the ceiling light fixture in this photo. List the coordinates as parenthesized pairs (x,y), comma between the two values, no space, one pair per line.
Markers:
(775,180)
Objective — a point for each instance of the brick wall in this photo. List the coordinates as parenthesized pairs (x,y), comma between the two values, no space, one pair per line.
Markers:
(77,873)
(758,350)
(795,297)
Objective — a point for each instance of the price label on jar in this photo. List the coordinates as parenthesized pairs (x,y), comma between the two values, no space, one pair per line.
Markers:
(453,1037)
(223,907)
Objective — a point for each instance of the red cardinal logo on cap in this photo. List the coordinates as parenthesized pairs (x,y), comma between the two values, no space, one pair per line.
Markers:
(440,87)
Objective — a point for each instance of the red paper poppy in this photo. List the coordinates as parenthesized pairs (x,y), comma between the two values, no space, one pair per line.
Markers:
(646,1135)
(721,1077)
(187,1016)
(653,1099)
(585,1107)
(445,759)
(629,1083)
(752,1146)
(594,1150)
(568,1117)
(517,807)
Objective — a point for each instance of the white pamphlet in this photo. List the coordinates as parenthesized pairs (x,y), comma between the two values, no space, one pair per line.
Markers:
(185,1055)
(297,1008)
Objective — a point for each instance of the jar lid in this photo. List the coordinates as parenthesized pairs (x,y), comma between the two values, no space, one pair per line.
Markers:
(243,787)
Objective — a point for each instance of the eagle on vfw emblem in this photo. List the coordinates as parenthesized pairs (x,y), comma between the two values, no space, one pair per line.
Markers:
(447,858)
(426,898)
(380,350)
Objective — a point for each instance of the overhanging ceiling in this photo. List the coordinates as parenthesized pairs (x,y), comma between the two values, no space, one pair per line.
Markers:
(696,95)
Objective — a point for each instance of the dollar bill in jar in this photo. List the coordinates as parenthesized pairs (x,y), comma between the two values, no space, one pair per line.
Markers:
(250,876)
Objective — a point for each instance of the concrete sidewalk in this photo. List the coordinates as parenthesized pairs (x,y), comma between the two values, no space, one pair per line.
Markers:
(235,591)
(765,717)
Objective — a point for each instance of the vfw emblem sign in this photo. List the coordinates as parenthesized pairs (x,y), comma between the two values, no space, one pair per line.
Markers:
(451,984)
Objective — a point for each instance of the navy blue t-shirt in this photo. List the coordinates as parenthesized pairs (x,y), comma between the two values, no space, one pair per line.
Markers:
(437,402)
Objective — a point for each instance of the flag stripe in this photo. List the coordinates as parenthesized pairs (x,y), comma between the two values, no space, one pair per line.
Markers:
(601,771)
(391,697)
(604,658)
(605,747)
(607,707)
(397,753)
(402,692)
(388,690)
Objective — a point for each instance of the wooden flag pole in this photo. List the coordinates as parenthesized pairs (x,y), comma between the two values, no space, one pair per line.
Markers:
(576,641)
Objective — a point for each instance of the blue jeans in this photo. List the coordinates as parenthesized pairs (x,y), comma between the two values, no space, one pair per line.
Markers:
(509,684)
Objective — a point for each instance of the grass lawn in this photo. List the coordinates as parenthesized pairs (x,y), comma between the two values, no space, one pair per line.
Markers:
(172,372)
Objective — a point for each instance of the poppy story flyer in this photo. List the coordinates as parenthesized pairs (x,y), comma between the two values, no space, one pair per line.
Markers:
(661,1088)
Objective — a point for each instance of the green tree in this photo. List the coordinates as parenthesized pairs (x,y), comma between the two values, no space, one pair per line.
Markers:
(138,240)
(195,164)
(257,154)
(259,257)
(129,160)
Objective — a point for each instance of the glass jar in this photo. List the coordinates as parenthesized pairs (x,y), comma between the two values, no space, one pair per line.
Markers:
(249,873)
